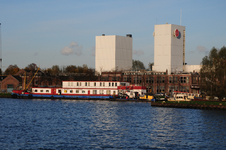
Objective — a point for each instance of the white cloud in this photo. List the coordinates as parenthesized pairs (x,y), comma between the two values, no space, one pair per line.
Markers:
(73,48)
(138,52)
(36,53)
(201,49)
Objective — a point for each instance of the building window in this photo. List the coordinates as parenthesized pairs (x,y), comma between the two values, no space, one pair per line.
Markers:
(113,78)
(163,79)
(175,80)
(183,79)
(124,79)
(135,80)
(158,79)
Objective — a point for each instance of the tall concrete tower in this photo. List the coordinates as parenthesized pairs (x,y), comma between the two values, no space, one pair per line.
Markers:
(113,53)
(169,48)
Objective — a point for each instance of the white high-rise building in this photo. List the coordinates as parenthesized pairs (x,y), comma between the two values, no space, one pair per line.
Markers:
(113,53)
(169,48)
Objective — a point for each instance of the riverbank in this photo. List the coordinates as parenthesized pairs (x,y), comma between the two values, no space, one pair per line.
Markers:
(212,105)
(5,95)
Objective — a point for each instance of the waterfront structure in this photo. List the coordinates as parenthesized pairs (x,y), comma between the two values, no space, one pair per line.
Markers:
(169,48)
(156,82)
(83,90)
(113,52)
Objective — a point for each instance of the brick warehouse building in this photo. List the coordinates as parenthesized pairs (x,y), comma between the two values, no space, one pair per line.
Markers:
(156,82)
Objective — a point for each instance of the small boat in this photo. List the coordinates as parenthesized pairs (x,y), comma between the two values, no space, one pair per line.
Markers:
(147,96)
(179,97)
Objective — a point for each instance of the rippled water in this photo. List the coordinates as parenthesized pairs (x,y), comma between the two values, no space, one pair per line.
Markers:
(77,124)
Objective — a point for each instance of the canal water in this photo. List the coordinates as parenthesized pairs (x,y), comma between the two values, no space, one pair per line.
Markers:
(83,124)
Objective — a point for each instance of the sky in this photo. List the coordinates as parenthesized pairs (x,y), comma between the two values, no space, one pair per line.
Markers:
(62,32)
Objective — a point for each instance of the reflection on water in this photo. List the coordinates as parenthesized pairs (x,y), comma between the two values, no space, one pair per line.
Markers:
(77,124)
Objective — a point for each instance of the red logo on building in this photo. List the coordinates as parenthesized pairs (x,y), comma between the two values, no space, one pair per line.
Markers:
(176,32)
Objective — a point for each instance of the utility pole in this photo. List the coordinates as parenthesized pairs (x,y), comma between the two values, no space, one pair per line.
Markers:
(0,49)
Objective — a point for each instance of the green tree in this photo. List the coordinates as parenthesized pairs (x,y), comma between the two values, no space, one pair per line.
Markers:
(213,73)
(55,69)
(11,70)
(137,65)
(32,67)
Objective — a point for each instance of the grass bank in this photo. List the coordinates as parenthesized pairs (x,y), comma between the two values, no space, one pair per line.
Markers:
(3,95)
(222,103)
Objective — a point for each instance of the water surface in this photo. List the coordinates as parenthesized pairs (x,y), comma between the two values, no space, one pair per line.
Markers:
(83,124)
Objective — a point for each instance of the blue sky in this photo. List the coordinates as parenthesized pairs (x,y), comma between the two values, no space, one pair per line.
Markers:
(57,32)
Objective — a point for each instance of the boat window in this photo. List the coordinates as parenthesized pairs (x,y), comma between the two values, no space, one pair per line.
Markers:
(47,91)
(115,84)
(71,83)
(68,83)
(41,90)
(108,92)
(77,91)
(86,84)
(83,91)
(36,90)
(71,91)
(104,84)
(94,83)
(65,91)
(94,91)
(77,84)
(112,83)
(109,84)
(100,84)
(101,91)
(80,83)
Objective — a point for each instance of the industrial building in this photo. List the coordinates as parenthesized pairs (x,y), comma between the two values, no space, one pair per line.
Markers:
(169,73)
(113,53)
(169,48)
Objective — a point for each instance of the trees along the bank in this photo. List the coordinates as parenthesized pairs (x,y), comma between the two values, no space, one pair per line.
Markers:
(137,65)
(213,73)
(11,70)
